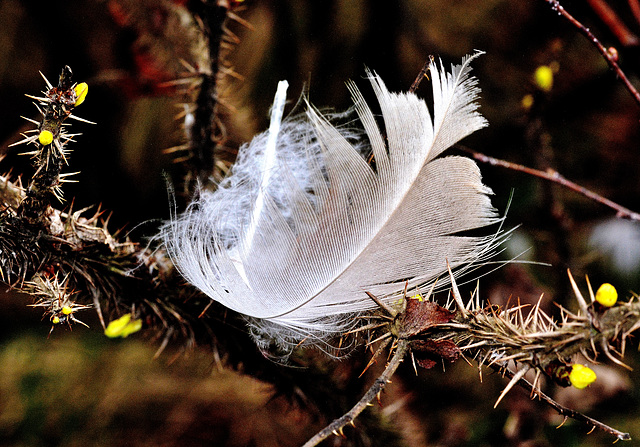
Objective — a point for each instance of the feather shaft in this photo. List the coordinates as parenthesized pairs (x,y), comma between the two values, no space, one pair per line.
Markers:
(270,157)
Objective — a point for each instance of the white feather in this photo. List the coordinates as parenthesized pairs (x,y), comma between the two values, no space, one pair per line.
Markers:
(302,228)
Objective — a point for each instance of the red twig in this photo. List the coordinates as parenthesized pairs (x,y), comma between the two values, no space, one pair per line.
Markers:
(634,5)
(556,177)
(608,56)
(611,19)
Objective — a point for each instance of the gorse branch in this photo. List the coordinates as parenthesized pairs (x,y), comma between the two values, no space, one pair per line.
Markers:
(336,427)
(533,341)
(205,103)
(43,250)
(70,262)
(51,139)
(497,337)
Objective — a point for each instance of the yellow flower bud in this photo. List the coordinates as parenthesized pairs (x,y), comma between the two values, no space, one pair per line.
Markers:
(81,93)
(607,295)
(527,102)
(67,310)
(581,376)
(45,137)
(55,320)
(543,78)
(123,327)
(417,297)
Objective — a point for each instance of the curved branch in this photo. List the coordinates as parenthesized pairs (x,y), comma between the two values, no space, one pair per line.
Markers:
(337,425)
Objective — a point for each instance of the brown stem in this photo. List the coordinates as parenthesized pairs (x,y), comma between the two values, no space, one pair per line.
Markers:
(556,177)
(337,425)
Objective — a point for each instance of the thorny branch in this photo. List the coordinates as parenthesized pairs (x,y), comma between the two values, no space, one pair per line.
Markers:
(70,262)
(67,259)
(337,426)
(561,409)
(204,127)
(498,337)
(203,136)
(609,56)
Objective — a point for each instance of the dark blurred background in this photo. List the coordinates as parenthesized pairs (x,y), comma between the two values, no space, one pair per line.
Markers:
(78,388)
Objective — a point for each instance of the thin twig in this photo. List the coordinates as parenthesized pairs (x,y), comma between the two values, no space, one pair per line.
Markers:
(611,19)
(562,410)
(337,425)
(423,74)
(608,56)
(556,177)
(634,5)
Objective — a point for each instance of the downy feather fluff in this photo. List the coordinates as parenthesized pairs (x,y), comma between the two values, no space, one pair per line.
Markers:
(304,224)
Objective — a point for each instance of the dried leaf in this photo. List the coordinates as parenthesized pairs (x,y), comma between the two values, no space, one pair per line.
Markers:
(419,316)
(428,352)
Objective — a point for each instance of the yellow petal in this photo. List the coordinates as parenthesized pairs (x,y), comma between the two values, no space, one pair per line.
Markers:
(131,327)
(607,295)
(115,328)
(81,93)
(123,327)
(581,376)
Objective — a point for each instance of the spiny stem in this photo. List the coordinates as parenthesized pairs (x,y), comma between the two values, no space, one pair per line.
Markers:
(562,410)
(213,18)
(207,133)
(337,425)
